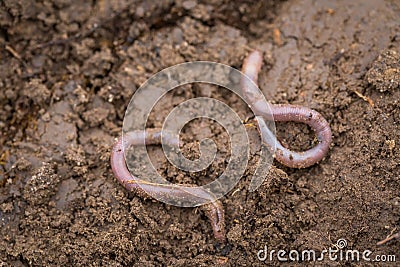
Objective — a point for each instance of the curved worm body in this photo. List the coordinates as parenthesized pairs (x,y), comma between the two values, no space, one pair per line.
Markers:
(214,210)
(285,112)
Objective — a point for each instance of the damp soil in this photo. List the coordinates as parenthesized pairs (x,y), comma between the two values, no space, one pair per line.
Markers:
(69,68)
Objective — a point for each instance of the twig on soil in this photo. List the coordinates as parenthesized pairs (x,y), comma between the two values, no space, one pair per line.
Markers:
(17,56)
(277,37)
(389,237)
(365,98)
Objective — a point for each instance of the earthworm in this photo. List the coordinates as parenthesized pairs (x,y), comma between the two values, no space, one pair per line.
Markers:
(213,210)
(285,112)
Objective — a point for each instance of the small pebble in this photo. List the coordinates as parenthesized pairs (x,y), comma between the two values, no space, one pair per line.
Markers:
(189,4)
(177,36)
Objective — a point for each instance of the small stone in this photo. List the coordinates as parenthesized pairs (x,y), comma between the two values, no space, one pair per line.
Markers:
(189,4)
(177,36)
(140,12)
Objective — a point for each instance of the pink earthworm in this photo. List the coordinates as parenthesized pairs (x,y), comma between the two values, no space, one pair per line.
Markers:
(213,210)
(283,113)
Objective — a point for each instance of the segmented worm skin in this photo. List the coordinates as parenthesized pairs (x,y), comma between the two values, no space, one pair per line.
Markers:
(284,113)
(214,210)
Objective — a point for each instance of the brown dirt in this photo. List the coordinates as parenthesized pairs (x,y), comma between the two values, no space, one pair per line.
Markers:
(69,68)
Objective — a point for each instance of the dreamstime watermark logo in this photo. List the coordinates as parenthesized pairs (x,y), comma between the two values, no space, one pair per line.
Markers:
(338,252)
(146,97)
